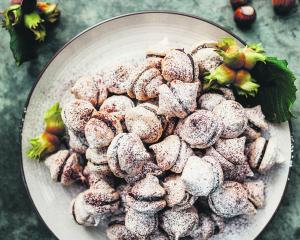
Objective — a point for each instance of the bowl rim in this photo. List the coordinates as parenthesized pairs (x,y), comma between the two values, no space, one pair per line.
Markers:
(21,125)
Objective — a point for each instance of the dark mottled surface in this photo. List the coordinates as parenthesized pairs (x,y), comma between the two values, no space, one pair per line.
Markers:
(280,35)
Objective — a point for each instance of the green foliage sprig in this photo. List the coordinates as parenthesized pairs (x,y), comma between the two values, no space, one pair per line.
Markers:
(256,78)
(27,22)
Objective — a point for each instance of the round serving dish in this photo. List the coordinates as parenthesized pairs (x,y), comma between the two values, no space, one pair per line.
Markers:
(118,38)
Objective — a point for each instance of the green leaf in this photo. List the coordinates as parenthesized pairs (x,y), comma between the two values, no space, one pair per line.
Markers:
(257,47)
(32,20)
(21,45)
(277,92)
(226,42)
(34,23)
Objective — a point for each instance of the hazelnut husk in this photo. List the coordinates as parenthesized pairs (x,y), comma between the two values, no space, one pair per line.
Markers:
(245,16)
(283,6)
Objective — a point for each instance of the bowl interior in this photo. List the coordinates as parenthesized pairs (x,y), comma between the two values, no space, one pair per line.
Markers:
(125,38)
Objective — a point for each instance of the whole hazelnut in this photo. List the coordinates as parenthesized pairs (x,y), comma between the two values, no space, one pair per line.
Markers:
(245,16)
(283,6)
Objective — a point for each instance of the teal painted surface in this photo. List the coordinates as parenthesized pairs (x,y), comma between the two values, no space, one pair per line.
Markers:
(280,36)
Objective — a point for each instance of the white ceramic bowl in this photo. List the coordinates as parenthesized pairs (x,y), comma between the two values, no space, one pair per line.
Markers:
(118,38)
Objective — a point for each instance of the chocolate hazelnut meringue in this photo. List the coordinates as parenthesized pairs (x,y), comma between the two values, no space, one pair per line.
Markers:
(226,165)
(233,116)
(101,129)
(178,99)
(55,162)
(144,83)
(140,224)
(117,104)
(146,196)
(231,200)
(169,128)
(177,65)
(153,61)
(208,226)
(256,194)
(205,229)
(148,168)
(233,172)
(94,173)
(123,190)
(202,176)
(97,166)
(155,55)
(96,156)
(251,134)
(144,121)
(90,206)
(65,167)
(256,122)
(209,101)
(257,118)
(76,114)
(176,195)
(77,142)
(117,231)
(117,78)
(206,57)
(127,155)
(232,149)
(172,153)
(158,235)
(262,154)
(200,129)
(91,89)
(227,93)
(179,223)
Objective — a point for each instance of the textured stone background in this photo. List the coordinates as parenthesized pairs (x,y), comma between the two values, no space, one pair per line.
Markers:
(280,36)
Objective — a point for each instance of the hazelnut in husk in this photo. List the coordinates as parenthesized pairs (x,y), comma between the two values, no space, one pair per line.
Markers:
(283,6)
(245,16)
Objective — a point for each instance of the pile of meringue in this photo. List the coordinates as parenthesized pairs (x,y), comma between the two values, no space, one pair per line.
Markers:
(161,158)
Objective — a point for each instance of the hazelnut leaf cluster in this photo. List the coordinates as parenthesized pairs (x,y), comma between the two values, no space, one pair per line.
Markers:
(256,78)
(27,22)
(49,140)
